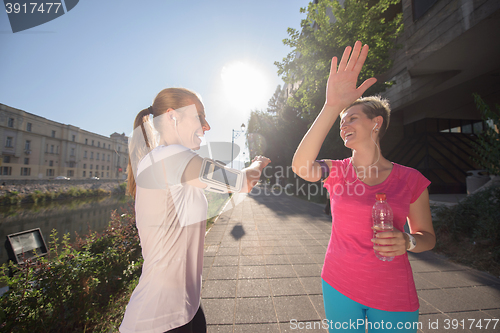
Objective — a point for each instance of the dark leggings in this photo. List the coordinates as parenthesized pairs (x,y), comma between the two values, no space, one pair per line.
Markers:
(196,325)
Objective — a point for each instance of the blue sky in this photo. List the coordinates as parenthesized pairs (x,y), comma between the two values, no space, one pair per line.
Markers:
(98,65)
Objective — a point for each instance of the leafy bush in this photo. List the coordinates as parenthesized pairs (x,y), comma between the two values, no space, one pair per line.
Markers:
(122,188)
(488,145)
(471,229)
(79,287)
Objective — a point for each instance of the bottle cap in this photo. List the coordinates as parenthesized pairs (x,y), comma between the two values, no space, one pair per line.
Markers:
(380,196)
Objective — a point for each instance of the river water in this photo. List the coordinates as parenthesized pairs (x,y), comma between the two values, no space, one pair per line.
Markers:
(66,216)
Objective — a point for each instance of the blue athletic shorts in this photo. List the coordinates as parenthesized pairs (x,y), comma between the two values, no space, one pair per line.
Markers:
(344,314)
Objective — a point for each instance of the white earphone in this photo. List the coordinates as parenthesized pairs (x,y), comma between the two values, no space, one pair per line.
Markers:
(374,126)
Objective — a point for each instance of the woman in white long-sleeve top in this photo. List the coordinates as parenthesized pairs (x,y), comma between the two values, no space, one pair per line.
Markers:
(171,212)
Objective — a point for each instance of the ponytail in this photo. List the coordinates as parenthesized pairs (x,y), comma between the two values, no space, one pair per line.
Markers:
(141,118)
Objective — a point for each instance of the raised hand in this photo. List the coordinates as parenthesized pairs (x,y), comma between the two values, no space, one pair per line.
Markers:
(341,88)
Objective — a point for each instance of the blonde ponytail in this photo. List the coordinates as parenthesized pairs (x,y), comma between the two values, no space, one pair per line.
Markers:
(141,118)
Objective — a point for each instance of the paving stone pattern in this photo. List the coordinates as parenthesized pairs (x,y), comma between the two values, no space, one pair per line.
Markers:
(262,268)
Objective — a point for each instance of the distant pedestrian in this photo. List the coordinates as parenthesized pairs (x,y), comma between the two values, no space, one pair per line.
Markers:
(355,282)
(171,213)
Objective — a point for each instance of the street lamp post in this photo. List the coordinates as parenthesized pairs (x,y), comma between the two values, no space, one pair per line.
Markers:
(238,132)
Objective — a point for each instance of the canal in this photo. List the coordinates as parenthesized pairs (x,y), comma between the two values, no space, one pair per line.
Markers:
(66,216)
(75,216)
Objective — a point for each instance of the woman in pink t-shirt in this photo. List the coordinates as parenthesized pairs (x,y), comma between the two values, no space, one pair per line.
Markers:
(356,284)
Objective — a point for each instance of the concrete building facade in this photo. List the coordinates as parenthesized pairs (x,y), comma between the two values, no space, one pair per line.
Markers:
(34,147)
(450,50)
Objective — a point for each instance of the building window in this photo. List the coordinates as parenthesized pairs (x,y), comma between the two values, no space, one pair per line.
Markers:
(86,141)
(27,145)
(84,173)
(53,134)
(26,161)
(107,168)
(85,166)
(25,171)
(73,138)
(72,164)
(10,123)
(52,149)
(50,173)
(91,166)
(6,159)
(97,157)
(85,154)
(98,143)
(108,157)
(28,127)
(90,174)
(71,173)
(72,152)
(119,148)
(51,163)
(107,174)
(92,142)
(109,146)
(91,155)
(9,142)
(102,168)
(6,171)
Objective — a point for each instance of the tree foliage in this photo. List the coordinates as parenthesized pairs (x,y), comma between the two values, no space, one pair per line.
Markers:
(327,30)
(488,144)
(276,132)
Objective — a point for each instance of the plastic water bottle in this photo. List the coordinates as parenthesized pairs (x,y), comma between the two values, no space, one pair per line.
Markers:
(382,219)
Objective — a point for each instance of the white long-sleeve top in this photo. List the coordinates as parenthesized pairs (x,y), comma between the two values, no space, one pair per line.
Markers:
(171,219)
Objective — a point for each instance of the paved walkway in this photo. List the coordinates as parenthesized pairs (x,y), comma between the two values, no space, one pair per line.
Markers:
(262,270)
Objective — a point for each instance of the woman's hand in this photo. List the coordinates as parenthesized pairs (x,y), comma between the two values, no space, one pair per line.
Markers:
(390,243)
(253,172)
(341,88)
(264,160)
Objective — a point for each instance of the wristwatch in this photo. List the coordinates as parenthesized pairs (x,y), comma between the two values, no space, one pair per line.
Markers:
(412,241)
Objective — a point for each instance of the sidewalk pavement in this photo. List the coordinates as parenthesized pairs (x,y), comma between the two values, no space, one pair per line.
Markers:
(262,267)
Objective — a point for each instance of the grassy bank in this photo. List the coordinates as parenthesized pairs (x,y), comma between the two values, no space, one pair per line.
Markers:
(37,196)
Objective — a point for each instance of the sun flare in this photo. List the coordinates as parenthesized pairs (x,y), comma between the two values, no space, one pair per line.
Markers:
(245,85)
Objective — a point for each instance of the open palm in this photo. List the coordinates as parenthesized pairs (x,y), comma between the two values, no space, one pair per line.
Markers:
(341,86)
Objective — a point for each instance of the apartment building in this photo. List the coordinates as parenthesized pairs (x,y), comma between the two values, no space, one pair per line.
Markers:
(34,147)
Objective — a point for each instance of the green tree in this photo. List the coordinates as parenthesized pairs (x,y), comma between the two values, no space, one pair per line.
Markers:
(488,144)
(327,30)
(276,132)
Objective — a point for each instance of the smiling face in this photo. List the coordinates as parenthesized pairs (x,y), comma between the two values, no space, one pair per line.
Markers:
(190,125)
(356,128)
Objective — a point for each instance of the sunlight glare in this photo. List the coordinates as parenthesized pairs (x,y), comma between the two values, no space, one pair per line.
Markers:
(245,85)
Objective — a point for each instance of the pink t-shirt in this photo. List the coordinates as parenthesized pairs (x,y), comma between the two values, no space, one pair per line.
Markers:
(351,266)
